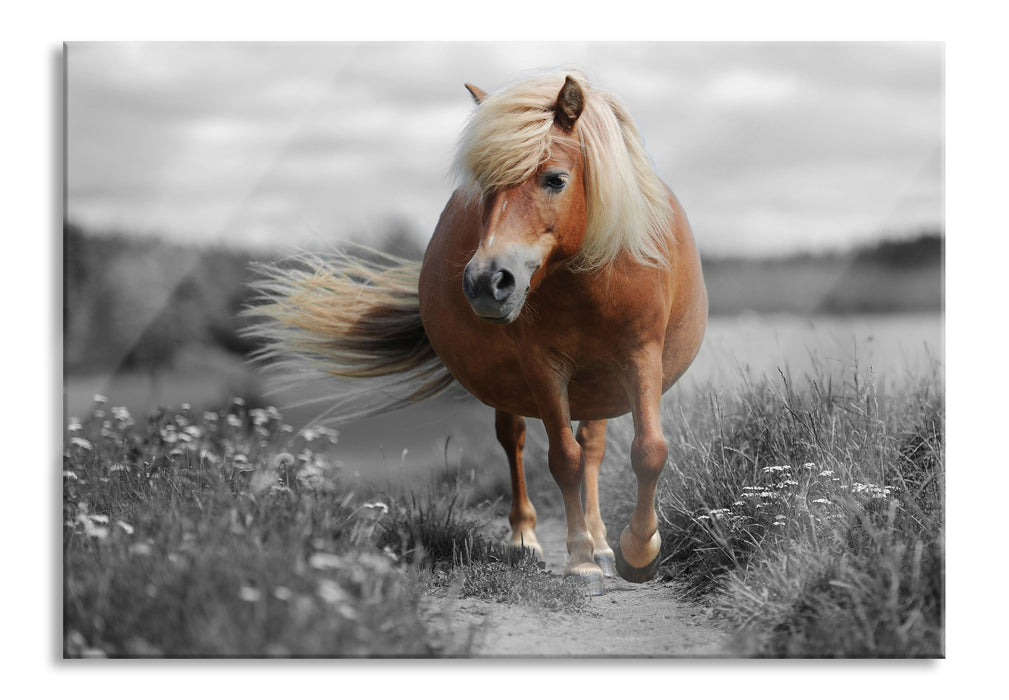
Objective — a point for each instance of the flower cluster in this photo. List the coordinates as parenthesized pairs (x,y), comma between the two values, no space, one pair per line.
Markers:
(253,449)
(788,497)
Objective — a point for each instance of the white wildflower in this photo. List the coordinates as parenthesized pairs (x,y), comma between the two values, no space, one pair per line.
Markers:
(283,460)
(376,506)
(282,593)
(331,591)
(325,560)
(249,594)
(141,549)
(81,442)
(99,531)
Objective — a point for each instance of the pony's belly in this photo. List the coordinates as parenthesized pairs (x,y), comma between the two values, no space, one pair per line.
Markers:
(590,397)
(498,385)
(597,398)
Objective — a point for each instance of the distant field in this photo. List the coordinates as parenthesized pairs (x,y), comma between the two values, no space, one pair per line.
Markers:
(814,286)
(890,344)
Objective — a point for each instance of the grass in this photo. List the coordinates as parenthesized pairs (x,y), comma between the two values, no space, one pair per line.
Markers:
(225,534)
(810,517)
(809,514)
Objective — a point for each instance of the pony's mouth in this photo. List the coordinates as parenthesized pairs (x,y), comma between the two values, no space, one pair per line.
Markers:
(502,320)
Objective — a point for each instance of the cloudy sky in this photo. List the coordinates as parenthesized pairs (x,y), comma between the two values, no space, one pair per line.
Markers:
(770,147)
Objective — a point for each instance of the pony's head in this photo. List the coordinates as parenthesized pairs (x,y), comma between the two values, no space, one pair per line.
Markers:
(561,178)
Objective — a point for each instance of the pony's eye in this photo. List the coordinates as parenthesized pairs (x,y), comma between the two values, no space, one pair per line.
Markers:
(554,182)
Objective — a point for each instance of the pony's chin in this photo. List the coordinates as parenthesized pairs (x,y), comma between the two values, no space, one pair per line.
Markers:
(502,320)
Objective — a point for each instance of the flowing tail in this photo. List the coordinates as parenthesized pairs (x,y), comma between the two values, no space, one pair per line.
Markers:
(354,315)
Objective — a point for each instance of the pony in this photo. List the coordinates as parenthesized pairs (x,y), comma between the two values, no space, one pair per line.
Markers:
(562,282)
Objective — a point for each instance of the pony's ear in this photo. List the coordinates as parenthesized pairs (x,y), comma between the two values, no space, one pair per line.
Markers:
(478,94)
(570,102)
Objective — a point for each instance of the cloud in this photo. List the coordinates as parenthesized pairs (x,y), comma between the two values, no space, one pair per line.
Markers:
(747,87)
(769,146)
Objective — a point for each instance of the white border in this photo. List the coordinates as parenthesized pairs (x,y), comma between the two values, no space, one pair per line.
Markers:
(976,119)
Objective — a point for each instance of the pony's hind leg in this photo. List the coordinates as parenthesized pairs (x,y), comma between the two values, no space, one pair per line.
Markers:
(592,437)
(511,433)
(638,553)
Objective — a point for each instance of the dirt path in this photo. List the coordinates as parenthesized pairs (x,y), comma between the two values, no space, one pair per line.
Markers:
(636,620)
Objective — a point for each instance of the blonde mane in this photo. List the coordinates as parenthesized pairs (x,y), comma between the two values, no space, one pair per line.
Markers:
(628,206)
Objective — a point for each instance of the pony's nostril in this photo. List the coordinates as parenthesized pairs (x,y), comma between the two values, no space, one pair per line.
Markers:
(502,284)
(467,284)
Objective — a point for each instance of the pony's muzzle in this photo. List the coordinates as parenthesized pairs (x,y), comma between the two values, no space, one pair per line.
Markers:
(494,292)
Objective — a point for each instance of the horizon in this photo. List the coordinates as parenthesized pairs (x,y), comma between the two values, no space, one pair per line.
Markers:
(843,249)
(772,148)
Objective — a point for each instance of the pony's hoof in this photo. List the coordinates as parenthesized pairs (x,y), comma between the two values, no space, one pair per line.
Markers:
(636,574)
(588,578)
(590,584)
(607,563)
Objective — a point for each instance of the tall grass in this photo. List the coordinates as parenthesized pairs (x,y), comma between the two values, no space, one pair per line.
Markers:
(225,534)
(810,514)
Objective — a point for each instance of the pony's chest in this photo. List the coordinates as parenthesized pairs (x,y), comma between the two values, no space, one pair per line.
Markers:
(597,316)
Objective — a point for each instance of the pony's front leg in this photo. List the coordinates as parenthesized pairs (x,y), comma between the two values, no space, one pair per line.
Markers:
(568,468)
(638,553)
(592,437)
(511,433)
(567,465)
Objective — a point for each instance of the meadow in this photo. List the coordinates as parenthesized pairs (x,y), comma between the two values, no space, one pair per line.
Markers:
(808,510)
(803,502)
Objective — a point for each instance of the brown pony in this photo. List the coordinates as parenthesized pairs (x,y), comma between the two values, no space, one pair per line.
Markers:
(561,283)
